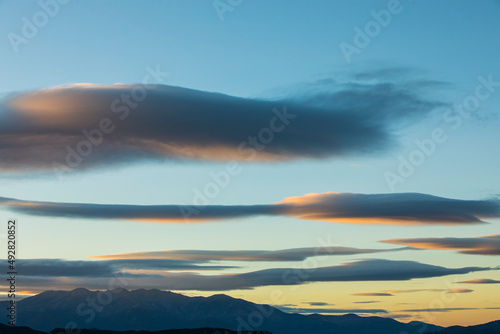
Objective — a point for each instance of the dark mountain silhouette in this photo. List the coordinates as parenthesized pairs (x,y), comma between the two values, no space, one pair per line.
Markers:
(155,310)
(25,330)
(4,329)
(488,328)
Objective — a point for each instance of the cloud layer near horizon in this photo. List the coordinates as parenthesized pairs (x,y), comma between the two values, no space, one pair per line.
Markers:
(397,208)
(47,272)
(130,123)
(481,281)
(106,268)
(328,310)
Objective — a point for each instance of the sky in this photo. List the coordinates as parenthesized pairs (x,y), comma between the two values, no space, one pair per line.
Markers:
(343,153)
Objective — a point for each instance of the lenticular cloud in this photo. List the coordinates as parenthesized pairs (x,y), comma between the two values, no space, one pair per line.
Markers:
(84,125)
(385,209)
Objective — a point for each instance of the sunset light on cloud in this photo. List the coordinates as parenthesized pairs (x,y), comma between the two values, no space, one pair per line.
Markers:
(487,245)
(278,166)
(382,209)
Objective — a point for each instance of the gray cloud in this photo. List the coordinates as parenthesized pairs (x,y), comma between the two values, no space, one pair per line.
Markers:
(107,268)
(487,245)
(155,122)
(50,272)
(444,309)
(307,310)
(365,270)
(293,254)
(481,281)
(459,291)
(388,293)
(318,304)
(414,290)
(373,294)
(397,208)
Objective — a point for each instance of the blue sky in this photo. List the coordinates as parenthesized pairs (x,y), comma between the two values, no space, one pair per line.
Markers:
(260,50)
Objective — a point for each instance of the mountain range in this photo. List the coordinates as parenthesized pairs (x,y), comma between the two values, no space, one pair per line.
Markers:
(155,310)
(4,329)
(488,328)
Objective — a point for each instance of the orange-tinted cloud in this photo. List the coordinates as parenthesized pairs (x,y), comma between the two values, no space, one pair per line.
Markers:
(413,290)
(387,209)
(377,294)
(487,245)
(481,281)
(130,123)
(459,290)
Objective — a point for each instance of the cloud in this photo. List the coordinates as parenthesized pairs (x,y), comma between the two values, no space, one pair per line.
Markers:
(89,125)
(167,276)
(64,268)
(388,209)
(399,208)
(394,292)
(319,304)
(460,290)
(487,245)
(366,270)
(293,254)
(413,290)
(368,302)
(375,294)
(444,309)
(307,310)
(481,281)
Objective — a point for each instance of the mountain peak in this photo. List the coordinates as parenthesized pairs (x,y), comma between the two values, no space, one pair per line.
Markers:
(119,290)
(154,310)
(220,296)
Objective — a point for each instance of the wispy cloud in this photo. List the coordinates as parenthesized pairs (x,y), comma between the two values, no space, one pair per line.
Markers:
(398,208)
(481,281)
(460,290)
(307,310)
(293,254)
(389,293)
(413,290)
(374,294)
(319,304)
(443,309)
(487,245)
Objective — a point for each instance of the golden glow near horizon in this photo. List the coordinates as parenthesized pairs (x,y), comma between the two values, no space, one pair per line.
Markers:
(445,301)
(418,302)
